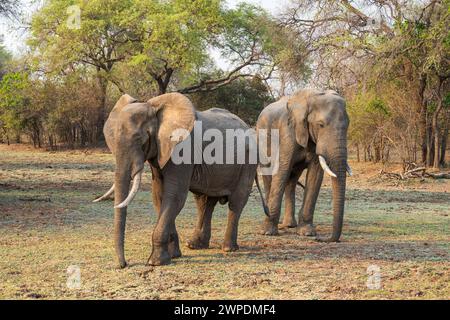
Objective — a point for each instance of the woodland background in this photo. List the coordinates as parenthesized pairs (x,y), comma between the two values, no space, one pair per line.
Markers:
(388,58)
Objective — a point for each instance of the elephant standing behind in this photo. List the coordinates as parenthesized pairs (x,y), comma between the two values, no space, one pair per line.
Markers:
(143,132)
(312,128)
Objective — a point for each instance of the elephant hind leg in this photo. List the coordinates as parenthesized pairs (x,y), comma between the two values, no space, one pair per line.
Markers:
(267,180)
(289,220)
(230,241)
(202,233)
(238,200)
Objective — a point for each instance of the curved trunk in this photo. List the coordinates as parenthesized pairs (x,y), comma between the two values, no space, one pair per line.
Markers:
(338,189)
(122,183)
(339,166)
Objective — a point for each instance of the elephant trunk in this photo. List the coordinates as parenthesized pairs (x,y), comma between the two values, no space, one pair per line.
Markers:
(122,183)
(339,166)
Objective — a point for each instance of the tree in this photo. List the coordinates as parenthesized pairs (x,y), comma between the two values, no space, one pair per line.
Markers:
(16,110)
(101,39)
(151,47)
(243,97)
(380,47)
(180,35)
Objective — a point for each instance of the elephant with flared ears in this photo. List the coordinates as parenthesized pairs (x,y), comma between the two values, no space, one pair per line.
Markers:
(312,128)
(137,133)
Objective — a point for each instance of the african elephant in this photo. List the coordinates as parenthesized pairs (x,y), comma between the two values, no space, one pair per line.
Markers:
(143,132)
(312,128)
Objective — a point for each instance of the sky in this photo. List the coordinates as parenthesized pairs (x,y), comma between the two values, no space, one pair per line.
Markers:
(14,34)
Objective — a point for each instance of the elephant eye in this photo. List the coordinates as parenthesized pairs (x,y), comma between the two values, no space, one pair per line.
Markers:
(321,124)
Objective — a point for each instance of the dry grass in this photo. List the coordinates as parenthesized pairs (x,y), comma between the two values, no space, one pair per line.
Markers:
(47,223)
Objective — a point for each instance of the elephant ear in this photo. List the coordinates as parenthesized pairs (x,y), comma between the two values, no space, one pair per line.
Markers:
(298,109)
(110,124)
(174,111)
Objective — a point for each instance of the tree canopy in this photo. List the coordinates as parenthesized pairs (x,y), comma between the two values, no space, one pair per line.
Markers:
(388,58)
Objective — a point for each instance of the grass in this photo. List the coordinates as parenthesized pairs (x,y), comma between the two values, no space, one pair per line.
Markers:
(48,223)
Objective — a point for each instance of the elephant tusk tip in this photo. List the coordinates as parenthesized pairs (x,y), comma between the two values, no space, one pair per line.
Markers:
(120,206)
(325,167)
(349,170)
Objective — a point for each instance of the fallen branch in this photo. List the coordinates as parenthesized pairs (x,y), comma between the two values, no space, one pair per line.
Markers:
(439,175)
(415,170)
(419,172)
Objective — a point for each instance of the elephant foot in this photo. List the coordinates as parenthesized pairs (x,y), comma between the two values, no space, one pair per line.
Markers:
(197,243)
(308,230)
(230,247)
(159,257)
(122,264)
(174,250)
(288,224)
(270,229)
(327,240)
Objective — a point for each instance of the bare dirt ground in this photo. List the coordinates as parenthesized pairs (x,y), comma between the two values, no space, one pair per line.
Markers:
(48,223)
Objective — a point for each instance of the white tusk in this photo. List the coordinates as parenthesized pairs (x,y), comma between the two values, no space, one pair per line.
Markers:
(349,170)
(325,167)
(106,195)
(133,192)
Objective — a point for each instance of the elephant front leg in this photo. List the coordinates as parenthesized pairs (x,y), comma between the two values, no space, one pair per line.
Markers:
(289,220)
(164,241)
(157,193)
(202,233)
(174,244)
(314,179)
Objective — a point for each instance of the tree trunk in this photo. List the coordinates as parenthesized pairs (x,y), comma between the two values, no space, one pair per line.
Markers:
(377,152)
(357,152)
(430,145)
(103,84)
(423,119)
(436,141)
(6,135)
(444,140)
(437,148)
(163,81)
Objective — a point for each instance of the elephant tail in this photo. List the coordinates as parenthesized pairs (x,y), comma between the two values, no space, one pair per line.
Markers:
(300,184)
(266,209)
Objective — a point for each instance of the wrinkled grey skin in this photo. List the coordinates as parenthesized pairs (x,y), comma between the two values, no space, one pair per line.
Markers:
(140,132)
(310,123)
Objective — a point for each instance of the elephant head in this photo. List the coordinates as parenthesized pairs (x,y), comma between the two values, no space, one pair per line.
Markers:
(137,132)
(319,119)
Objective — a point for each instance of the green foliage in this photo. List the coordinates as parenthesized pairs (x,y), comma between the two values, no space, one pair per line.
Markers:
(14,105)
(446,103)
(244,97)
(100,40)
(176,36)
(168,42)
(378,106)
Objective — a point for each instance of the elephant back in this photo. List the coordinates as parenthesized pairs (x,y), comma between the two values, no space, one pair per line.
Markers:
(221,119)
